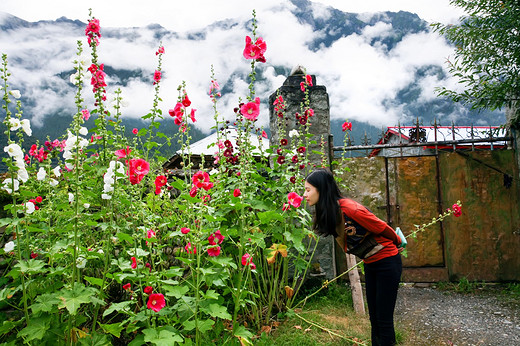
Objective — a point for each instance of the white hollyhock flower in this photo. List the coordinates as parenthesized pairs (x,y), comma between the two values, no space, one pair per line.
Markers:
(106,196)
(73,78)
(14,124)
(293,133)
(53,182)
(81,262)
(57,171)
(29,207)
(26,127)
(86,205)
(23,175)
(71,197)
(9,246)
(41,174)
(83,131)
(8,185)
(14,150)
(16,93)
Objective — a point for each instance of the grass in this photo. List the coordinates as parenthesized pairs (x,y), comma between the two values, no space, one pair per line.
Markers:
(333,310)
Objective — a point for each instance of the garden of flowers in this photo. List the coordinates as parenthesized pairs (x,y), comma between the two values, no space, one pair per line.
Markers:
(102,246)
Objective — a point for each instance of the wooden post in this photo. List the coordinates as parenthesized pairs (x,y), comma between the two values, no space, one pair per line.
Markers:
(355,285)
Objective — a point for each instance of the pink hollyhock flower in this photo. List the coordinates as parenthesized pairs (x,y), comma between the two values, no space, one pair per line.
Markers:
(122,153)
(156,302)
(185,230)
(148,289)
(190,249)
(192,115)
(302,86)
(193,192)
(127,286)
(135,131)
(186,101)
(251,110)
(264,134)
(346,126)
(237,192)
(138,168)
(177,111)
(294,199)
(456,210)
(255,51)
(309,112)
(286,206)
(207,185)
(150,234)
(85,114)
(214,251)
(93,27)
(200,178)
(157,76)
(160,50)
(216,235)
(134,263)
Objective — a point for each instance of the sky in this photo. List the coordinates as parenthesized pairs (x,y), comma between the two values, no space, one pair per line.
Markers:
(359,77)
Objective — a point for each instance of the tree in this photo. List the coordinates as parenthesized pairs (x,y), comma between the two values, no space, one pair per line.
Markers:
(487,56)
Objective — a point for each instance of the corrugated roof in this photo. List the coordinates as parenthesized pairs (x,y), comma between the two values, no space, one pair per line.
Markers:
(208,145)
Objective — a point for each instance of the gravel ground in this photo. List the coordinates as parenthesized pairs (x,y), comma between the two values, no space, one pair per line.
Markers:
(435,317)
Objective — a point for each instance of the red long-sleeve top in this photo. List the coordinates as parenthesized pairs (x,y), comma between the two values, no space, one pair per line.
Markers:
(383,234)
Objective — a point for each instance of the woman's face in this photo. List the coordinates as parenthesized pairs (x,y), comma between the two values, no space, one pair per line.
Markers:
(311,195)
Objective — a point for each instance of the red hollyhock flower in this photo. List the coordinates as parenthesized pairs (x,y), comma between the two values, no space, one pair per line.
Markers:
(247,259)
(456,210)
(190,249)
(193,192)
(186,101)
(293,180)
(294,199)
(157,76)
(214,251)
(346,126)
(286,206)
(150,234)
(280,159)
(160,50)
(308,80)
(33,255)
(255,51)
(216,235)
(135,131)
(148,289)
(39,199)
(301,150)
(237,192)
(295,159)
(127,286)
(156,302)
(264,134)
(138,168)
(192,115)
(200,178)
(122,153)
(185,230)
(177,111)
(134,263)
(160,181)
(284,141)
(93,27)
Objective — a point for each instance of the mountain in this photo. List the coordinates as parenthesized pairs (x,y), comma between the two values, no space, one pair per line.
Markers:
(380,69)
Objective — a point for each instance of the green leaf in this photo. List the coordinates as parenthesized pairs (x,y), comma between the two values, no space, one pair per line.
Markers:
(202,325)
(45,302)
(94,281)
(268,216)
(8,326)
(242,332)
(124,236)
(217,310)
(31,266)
(72,299)
(161,338)
(211,294)
(122,306)
(176,291)
(36,329)
(114,328)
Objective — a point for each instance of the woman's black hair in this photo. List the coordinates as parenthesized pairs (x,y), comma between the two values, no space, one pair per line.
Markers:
(327,214)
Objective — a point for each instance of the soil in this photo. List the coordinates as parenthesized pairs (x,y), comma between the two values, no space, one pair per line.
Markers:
(430,316)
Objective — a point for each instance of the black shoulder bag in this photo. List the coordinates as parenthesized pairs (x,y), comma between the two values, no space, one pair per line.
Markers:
(360,242)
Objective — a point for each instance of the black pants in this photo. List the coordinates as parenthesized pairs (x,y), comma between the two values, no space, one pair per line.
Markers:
(381,283)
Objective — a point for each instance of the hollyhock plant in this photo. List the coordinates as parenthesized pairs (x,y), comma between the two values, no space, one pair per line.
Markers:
(251,110)
(156,302)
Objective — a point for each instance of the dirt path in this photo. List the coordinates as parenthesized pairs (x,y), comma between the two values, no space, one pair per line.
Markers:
(434,317)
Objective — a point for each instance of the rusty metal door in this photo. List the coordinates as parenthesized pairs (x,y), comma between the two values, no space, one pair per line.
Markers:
(413,194)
